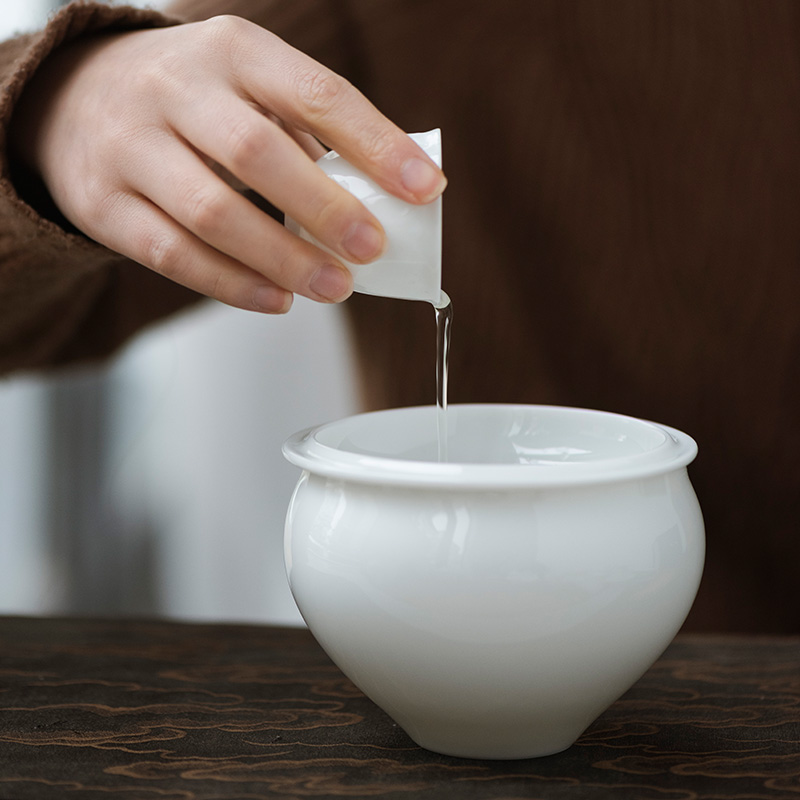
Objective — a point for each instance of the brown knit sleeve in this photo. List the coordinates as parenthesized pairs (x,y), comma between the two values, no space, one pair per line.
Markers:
(62,296)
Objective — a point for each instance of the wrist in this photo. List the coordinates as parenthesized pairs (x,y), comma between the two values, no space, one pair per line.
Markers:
(41,103)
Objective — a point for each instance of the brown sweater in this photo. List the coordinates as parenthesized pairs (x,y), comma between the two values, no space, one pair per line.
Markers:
(620,232)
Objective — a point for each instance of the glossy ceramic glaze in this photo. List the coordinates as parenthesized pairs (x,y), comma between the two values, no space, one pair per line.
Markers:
(411,266)
(494,605)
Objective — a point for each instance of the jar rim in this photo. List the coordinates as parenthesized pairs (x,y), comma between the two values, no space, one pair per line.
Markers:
(491,446)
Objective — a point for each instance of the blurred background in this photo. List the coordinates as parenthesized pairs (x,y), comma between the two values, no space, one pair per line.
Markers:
(154,485)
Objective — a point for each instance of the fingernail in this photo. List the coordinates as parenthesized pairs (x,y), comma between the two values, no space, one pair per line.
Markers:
(422,179)
(272,300)
(363,242)
(331,283)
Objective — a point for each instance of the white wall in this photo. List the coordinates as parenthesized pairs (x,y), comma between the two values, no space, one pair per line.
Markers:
(184,514)
(22,15)
(26,571)
(203,409)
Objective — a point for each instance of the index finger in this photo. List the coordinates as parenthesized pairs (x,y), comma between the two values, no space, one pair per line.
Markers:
(312,98)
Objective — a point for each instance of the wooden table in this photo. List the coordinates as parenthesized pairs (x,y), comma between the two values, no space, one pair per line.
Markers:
(167,711)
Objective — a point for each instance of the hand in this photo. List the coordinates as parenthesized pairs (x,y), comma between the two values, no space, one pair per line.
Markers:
(134,134)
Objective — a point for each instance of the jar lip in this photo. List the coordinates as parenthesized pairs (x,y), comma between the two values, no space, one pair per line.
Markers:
(519,446)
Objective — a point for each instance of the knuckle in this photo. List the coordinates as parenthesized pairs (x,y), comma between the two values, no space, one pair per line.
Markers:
(104,211)
(335,213)
(162,252)
(203,210)
(285,267)
(162,73)
(320,90)
(379,145)
(244,143)
(224,29)
(218,288)
(328,212)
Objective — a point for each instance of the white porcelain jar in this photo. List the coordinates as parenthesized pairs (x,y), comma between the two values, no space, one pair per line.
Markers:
(496,604)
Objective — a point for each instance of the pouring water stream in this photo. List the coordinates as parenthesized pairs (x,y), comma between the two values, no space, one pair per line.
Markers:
(444,318)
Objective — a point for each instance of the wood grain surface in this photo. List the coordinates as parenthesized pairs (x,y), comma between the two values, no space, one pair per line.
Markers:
(167,711)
